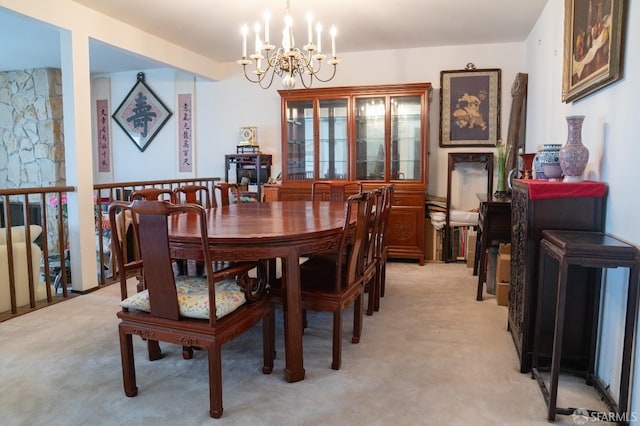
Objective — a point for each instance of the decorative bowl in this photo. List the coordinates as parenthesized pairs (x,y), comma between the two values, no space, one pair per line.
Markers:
(552,171)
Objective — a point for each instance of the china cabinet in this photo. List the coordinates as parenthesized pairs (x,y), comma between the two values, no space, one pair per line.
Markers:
(370,134)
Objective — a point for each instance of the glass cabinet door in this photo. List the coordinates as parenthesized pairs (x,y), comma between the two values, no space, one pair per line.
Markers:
(406,138)
(333,145)
(370,143)
(300,148)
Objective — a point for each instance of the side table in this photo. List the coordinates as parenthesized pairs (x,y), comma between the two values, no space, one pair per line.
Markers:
(589,250)
(494,225)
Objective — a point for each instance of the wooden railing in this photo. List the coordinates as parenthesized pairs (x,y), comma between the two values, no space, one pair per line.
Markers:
(105,193)
(47,208)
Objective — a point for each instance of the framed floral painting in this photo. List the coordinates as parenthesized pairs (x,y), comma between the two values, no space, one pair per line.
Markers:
(469,107)
(593,38)
(141,114)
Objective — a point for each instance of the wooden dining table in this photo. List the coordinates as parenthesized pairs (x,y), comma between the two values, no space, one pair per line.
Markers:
(264,231)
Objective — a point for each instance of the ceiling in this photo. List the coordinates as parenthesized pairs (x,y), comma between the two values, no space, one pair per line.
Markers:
(212,27)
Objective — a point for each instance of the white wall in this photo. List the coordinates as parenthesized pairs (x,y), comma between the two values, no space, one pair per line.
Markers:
(610,128)
(236,102)
(222,107)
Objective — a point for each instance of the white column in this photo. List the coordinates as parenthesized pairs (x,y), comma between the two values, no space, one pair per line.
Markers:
(76,90)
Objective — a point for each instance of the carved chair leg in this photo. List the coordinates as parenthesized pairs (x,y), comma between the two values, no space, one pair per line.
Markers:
(372,295)
(337,339)
(153,348)
(128,365)
(357,318)
(215,380)
(182,267)
(378,287)
(187,352)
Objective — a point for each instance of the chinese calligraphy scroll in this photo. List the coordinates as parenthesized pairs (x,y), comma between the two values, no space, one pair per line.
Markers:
(185,133)
(104,141)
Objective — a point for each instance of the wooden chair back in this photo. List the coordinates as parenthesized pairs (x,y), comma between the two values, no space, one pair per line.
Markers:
(225,188)
(334,190)
(354,244)
(193,194)
(150,225)
(152,193)
(373,219)
(381,242)
(378,248)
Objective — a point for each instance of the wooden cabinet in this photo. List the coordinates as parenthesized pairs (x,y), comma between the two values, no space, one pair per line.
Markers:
(254,168)
(536,206)
(372,134)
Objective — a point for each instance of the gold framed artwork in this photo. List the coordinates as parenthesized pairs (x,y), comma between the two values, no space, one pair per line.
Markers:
(593,38)
(469,107)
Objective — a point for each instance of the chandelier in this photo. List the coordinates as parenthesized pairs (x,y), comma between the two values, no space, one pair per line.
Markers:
(288,61)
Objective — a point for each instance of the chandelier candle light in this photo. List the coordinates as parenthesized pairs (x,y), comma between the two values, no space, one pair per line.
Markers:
(288,61)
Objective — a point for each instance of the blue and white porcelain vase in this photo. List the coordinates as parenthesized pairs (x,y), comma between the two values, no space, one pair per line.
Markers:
(548,154)
(574,155)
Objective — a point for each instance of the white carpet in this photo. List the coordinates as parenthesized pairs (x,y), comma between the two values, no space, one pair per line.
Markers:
(433,355)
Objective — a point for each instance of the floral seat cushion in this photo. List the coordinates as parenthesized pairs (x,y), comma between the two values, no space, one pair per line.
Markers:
(193,298)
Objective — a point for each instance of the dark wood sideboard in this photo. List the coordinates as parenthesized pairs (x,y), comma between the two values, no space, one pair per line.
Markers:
(538,205)
(494,226)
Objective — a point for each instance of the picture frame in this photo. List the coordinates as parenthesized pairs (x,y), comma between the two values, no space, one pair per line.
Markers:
(141,114)
(470,107)
(593,39)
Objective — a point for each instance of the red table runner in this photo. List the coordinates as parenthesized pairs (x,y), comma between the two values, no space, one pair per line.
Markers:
(543,189)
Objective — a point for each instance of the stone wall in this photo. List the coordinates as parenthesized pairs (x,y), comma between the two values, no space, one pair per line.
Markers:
(31,129)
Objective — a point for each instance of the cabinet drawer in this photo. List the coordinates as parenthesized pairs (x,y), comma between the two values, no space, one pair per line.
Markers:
(408,199)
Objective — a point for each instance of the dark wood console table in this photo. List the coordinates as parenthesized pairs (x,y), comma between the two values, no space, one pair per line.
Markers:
(494,225)
(586,250)
(538,205)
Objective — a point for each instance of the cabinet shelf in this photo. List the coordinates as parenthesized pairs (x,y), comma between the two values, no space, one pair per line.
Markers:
(360,136)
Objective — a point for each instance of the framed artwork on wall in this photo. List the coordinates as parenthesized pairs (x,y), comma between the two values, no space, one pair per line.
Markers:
(141,114)
(469,107)
(593,38)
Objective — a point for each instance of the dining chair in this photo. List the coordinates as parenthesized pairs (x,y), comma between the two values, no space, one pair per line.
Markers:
(382,242)
(193,194)
(331,283)
(334,190)
(378,249)
(152,193)
(230,193)
(204,311)
(225,269)
(242,271)
(370,260)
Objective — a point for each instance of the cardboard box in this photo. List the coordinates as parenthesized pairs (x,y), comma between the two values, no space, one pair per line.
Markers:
(502,294)
(503,270)
(505,248)
(429,240)
(471,247)
(432,242)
